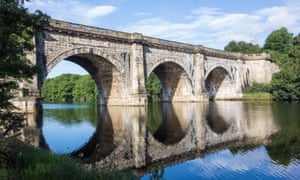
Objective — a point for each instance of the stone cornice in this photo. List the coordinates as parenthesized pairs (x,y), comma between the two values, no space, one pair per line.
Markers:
(123,37)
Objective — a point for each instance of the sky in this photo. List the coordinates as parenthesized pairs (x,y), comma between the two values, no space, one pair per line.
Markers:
(211,23)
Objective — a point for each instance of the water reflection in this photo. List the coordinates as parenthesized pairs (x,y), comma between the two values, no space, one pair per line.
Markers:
(102,142)
(67,127)
(169,126)
(154,137)
(215,121)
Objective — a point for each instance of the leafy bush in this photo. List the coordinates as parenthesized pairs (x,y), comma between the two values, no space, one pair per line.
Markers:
(259,87)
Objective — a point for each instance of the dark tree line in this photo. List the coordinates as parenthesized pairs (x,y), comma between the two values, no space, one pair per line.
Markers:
(285,52)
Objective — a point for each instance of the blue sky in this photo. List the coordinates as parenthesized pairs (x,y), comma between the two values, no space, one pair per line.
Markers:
(211,23)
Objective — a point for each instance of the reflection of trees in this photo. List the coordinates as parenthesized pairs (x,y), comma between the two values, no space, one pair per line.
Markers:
(286,144)
(74,115)
(155,116)
(243,149)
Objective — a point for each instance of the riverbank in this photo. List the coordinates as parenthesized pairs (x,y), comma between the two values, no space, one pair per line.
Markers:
(21,161)
(257,96)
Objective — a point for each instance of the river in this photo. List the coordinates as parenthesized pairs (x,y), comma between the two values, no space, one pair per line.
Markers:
(217,140)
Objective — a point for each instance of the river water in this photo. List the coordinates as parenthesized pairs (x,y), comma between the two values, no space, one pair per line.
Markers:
(216,140)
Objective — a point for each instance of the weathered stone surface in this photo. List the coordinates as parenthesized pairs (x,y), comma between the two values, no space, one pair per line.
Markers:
(120,64)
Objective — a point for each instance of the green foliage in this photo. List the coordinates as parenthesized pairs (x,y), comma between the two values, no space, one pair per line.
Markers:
(155,116)
(286,83)
(259,87)
(31,163)
(17,28)
(85,90)
(153,87)
(285,51)
(285,144)
(243,47)
(257,96)
(279,40)
(70,88)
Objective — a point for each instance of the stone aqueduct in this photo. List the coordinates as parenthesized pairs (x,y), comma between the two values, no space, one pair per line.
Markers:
(120,64)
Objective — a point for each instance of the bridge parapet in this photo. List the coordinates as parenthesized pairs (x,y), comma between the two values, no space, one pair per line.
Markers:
(102,33)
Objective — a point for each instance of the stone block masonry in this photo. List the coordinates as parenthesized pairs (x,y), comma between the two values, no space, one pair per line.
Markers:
(120,64)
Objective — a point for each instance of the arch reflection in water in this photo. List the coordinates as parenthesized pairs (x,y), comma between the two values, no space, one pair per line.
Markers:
(166,123)
(102,142)
(218,118)
(122,133)
(66,127)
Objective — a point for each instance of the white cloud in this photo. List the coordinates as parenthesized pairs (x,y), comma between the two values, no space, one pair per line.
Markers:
(209,26)
(206,10)
(213,28)
(72,10)
(141,14)
(99,11)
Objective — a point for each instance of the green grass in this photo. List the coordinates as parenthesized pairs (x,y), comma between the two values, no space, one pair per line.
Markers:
(257,96)
(27,163)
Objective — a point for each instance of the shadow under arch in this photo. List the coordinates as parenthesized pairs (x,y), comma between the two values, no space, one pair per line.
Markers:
(101,144)
(104,69)
(215,120)
(217,81)
(164,124)
(175,81)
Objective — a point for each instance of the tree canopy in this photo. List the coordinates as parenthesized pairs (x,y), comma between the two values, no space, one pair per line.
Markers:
(243,47)
(279,40)
(285,51)
(286,83)
(70,88)
(17,29)
(153,87)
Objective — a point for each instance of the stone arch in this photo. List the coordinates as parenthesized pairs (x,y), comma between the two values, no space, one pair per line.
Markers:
(103,66)
(168,59)
(219,82)
(110,57)
(218,65)
(175,79)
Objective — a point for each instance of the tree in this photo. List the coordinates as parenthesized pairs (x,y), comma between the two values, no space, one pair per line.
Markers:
(70,88)
(243,47)
(17,29)
(153,87)
(279,40)
(286,83)
(85,90)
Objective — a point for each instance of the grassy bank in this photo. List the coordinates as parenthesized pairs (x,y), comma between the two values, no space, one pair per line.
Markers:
(19,161)
(257,96)
(258,91)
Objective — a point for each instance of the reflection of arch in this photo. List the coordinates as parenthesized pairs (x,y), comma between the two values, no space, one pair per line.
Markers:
(215,120)
(101,143)
(103,67)
(169,130)
(69,115)
(218,80)
(175,80)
